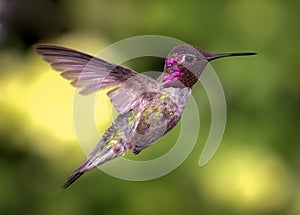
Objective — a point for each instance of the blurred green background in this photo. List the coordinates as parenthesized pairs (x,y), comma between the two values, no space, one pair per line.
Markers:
(257,167)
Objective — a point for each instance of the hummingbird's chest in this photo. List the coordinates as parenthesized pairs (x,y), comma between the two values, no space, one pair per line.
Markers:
(179,96)
(156,113)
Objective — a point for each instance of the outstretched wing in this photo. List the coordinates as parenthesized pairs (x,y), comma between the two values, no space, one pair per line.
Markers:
(83,70)
(92,74)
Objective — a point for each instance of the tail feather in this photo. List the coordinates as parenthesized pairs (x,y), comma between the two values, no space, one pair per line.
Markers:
(95,159)
(85,166)
(72,179)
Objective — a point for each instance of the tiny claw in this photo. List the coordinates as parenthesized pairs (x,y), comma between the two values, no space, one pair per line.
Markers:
(136,151)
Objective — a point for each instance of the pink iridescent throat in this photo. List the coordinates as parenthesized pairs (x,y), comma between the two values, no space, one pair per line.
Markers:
(173,78)
(173,62)
(177,75)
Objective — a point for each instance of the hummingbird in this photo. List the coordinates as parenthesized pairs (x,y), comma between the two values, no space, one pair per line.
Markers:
(148,108)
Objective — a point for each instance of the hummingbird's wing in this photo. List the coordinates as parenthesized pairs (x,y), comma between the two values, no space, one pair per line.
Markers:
(124,97)
(83,70)
(92,74)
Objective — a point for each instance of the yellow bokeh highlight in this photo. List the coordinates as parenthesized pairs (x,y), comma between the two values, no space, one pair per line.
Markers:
(44,103)
(49,105)
(250,179)
(44,100)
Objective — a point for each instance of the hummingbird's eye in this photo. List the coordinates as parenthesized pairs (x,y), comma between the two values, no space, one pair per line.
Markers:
(189,58)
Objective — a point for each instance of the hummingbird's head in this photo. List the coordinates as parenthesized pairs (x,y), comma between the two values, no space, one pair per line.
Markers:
(185,64)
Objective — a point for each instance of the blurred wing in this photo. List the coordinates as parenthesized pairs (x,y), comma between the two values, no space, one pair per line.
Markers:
(125,97)
(92,73)
(83,70)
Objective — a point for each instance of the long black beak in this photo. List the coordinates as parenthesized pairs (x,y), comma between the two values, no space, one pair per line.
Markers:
(211,57)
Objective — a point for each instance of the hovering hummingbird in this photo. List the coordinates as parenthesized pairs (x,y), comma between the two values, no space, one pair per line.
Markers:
(148,108)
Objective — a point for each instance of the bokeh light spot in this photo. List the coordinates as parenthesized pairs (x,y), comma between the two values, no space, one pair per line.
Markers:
(250,179)
(49,105)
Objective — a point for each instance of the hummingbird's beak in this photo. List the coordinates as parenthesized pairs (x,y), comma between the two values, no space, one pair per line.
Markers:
(211,57)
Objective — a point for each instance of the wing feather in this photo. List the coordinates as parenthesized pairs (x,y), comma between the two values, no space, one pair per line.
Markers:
(83,70)
(92,74)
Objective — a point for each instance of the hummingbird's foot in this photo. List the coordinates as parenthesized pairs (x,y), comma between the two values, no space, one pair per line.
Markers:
(136,151)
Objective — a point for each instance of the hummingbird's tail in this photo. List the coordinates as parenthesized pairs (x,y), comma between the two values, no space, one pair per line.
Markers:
(85,166)
(96,158)
(72,179)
